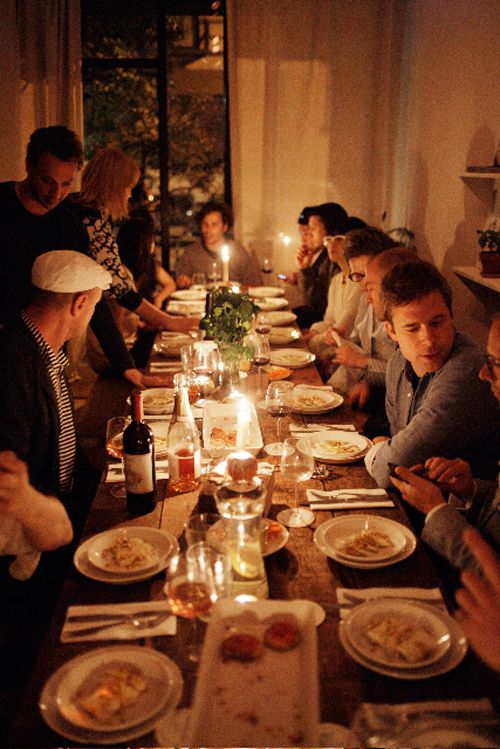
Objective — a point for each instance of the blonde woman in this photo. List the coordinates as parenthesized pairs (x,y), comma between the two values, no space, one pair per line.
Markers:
(107,182)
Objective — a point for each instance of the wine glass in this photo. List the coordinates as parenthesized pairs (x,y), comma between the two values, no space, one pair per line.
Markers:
(216,449)
(261,354)
(215,272)
(262,324)
(114,447)
(278,404)
(195,580)
(199,282)
(267,265)
(296,464)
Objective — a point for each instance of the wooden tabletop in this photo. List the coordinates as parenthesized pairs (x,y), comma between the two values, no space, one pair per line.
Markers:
(300,570)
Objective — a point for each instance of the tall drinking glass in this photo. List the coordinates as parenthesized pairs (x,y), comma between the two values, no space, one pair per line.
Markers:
(279,400)
(296,464)
(261,354)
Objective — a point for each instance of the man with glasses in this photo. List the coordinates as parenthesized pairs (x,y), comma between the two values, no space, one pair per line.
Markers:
(471,501)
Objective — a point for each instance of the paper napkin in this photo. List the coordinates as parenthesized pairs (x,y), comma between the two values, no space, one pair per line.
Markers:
(368,498)
(115,471)
(303,386)
(321,427)
(353,596)
(163,366)
(94,618)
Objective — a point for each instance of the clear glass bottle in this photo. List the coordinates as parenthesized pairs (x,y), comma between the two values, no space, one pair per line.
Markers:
(139,461)
(183,443)
(241,504)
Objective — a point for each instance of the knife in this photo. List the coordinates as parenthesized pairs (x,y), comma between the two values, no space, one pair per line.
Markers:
(107,617)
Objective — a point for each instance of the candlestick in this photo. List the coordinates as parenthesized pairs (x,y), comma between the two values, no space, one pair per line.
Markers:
(225,263)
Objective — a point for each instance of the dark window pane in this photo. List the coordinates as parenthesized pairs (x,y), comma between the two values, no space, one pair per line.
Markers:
(118,29)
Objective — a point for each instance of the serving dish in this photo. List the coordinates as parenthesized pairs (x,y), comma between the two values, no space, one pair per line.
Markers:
(226,418)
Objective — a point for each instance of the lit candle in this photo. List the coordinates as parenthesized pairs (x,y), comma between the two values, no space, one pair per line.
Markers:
(285,239)
(243,423)
(225,263)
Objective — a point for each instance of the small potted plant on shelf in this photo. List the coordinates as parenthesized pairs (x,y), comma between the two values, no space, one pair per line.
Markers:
(489,242)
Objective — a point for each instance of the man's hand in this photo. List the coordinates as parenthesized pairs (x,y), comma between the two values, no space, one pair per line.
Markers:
(303,258)
(479,601)
(452,476)
(141,381)
(332,336)
(358,395)
(418,492)
(350,357)
(15,487)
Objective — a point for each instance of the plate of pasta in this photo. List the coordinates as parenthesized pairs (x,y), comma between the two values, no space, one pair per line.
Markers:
(338,447)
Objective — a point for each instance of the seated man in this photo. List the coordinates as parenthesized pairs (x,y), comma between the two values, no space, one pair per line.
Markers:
(434,401)
(215,221)
(471,502)
(315,268)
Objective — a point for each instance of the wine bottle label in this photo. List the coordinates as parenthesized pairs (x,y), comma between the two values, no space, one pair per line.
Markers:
(138,473)
(184,466)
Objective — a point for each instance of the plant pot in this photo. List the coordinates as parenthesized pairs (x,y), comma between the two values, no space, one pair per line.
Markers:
(490,264)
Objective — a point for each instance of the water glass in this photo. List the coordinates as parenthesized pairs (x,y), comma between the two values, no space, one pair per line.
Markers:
(199,282)
(200,528)
(296,464)
(279,401)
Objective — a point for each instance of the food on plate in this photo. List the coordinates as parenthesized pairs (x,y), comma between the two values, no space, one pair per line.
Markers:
(158,400)
(402,638)
(241,647)
(228,437)
(337,447)
(282,635)
(129,553)
(309,401)
(278,373)
(106,693)
(366,543)
(293,357)
(274,529)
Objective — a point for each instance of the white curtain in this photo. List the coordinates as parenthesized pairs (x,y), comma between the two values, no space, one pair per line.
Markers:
(314,98)
(40,76)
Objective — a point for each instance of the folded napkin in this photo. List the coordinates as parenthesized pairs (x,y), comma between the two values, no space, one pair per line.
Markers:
(96,616)
(115,471)
(303,386)
(164,366)
(321,427)
(353,596)
(380,499)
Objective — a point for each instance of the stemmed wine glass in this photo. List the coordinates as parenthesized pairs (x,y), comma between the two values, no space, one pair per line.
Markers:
(267,265)
(262,324)
(279,400)
(296,464)
(196,579)
(261,353)
(114,447)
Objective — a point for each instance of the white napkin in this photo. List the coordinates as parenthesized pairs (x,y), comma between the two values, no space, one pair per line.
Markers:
(328,388)
(115,471)
(164,366)
(321,427)
(121,631)
(369,594)
(331,504)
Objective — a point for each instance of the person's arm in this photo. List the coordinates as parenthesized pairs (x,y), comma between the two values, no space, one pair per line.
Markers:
(44,520)
(167,285)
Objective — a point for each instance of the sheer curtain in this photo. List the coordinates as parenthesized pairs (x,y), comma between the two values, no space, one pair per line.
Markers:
(41,74)
(314,97)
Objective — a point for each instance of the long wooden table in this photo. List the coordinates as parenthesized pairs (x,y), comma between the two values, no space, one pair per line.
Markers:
(300,570)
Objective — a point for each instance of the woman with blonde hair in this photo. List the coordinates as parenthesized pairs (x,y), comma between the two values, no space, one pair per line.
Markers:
(107,182)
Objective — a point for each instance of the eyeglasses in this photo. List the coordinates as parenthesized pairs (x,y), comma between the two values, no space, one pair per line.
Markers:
(332,238)
(491,364)
(356,277)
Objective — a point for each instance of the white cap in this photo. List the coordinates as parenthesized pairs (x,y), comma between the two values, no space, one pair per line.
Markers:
(67,271)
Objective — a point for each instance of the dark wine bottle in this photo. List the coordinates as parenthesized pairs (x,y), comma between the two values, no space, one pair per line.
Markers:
(139,461)
(205,322)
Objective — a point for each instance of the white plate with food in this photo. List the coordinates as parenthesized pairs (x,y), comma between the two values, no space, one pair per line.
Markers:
(271,303)
(259,660)
(186,309)
(293,358)
(314,401)
(338,447)
(123,551)
(370,539)
(398,634)
(265,291)
(449,660)
(158,401)
(221,421)
(164,543)
(328,534)
(189,295)
(138,709)
(278,318)
(280,336)
(274,536)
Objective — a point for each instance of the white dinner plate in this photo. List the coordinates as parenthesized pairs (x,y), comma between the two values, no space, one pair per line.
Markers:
(293,358)
(271,303)
(272,545)
(167,690)
(280,336)
(165,544)
(99,544)
(314,401)
(189,295)
(158,401)
(187,309)
(277,373)
(362,618)
(278,318)
(170,346)
(454,655)
(352,526)
(327,533)
(351,446)
(265,291)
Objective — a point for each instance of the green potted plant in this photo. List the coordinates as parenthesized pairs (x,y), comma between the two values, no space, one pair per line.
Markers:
(489,242)
(228,322)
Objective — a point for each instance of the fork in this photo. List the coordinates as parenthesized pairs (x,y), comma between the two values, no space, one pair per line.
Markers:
(344,497)
(353,599)
(131,620)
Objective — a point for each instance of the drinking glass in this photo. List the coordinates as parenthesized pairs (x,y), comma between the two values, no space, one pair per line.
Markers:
(296,464)
(199,527)
(267,265)
(261,354)
(262,324)
(216,449)
(187,353)
(114,447)
(199,282)
(215,272)
(279,400)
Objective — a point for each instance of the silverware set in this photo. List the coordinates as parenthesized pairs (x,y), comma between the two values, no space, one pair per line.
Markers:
(135,621)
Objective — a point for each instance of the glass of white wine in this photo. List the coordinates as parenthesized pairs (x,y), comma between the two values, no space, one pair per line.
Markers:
(296,464)
(114,447)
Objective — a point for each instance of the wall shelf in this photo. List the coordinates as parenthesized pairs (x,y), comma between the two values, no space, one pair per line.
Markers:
(472,274)
(486,185)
